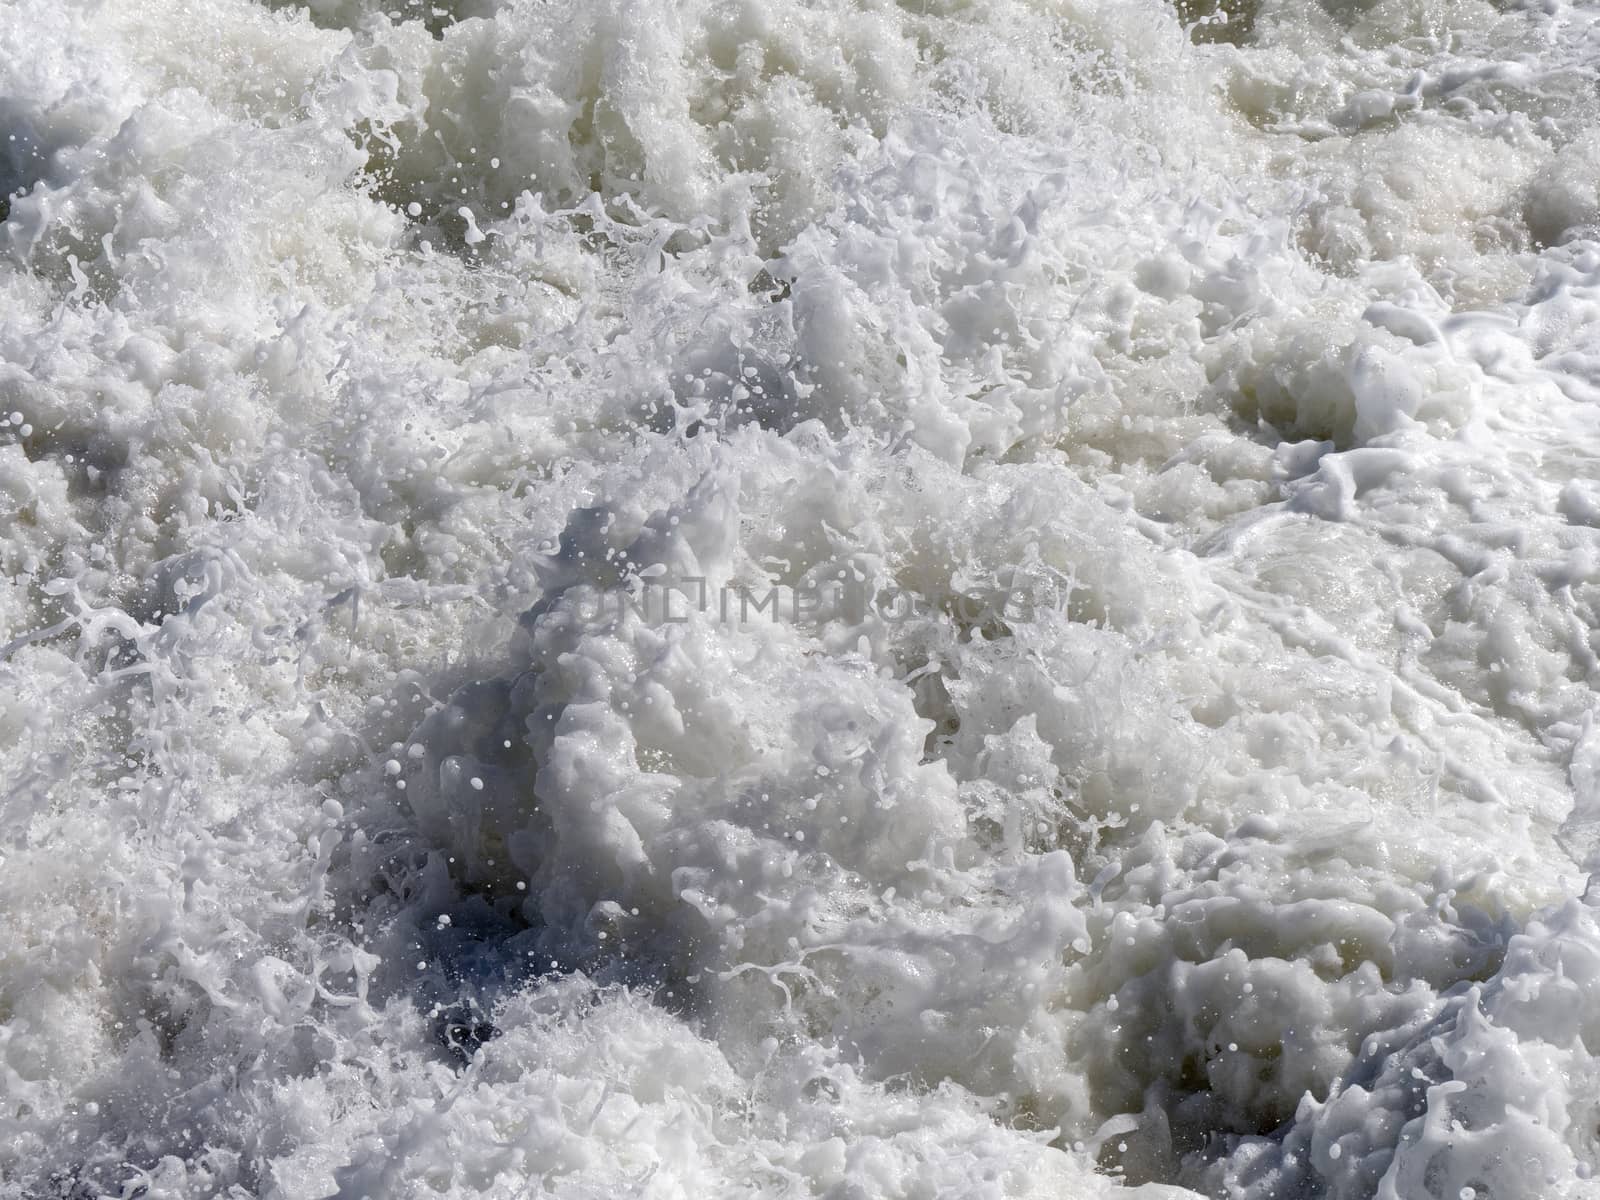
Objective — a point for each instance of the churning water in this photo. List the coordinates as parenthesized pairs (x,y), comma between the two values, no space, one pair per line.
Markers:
(799,598)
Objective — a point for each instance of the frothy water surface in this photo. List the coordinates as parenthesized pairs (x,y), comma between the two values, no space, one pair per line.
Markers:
(502,685)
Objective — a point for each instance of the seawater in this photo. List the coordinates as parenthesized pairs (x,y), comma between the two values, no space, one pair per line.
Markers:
(363,369)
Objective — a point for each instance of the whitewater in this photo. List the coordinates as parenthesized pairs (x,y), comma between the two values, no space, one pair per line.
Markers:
(799,598)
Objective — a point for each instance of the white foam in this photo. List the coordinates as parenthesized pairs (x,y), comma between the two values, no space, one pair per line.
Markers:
(366,829)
